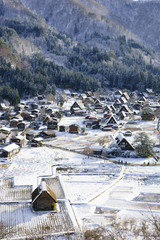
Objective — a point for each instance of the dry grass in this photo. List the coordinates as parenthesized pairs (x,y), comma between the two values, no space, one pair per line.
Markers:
(132,128)
(18,221)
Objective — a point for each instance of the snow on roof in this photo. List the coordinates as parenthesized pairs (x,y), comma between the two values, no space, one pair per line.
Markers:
(66,91)
(119,137)
(107,107)
(20,137)
(118,92)
(11,147)
(79,102)
(43,186)
(117,101)
(38,139)
(67,121)
(83,95)
(125,94)
(5,129)
(123,100)
(2,136)
(126,108)
(3,105)
(112,117)
(96,147)
(67,105)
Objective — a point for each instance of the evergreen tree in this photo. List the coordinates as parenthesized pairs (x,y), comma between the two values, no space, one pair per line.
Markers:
(143,145)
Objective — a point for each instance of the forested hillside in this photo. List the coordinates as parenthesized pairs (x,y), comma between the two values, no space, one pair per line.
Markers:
(99,22)
(34,56)
(142,18)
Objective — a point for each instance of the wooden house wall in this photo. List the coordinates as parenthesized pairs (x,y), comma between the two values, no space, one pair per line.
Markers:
(73,129)
(44,202)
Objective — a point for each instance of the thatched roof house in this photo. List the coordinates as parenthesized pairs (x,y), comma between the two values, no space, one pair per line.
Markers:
(43,198)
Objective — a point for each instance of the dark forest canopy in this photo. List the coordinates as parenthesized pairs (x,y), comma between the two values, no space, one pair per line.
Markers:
(128,64)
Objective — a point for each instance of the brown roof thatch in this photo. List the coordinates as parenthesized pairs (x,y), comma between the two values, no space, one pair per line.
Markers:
(43,188)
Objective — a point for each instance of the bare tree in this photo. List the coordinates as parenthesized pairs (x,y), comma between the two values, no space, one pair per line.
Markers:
(105,139)
(148,229)
(88,151)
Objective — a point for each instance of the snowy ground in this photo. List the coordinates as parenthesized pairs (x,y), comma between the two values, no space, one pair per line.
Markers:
(97,189)
(20,221)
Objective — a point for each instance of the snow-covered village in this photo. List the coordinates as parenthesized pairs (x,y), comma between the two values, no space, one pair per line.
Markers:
(77,162)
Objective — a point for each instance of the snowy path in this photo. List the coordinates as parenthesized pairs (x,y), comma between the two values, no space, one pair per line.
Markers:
(101,196)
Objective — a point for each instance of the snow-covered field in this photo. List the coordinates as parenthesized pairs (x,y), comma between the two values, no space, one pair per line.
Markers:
(20,221)
(110,186)
(98,189)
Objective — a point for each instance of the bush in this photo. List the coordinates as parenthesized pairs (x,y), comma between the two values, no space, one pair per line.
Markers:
(148,229)
(147,114)
(112,152)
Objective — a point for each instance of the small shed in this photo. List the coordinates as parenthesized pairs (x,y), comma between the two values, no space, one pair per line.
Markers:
(107,129)
(82,96)
(49,111)
(48,134)
(73,128)
(34,106)
(53,124)
(40,97)
(5,130)
(30,118)
(62,128)
(96,124)
(31,135)
(2,138)
(35,112)
(22,126)
(14,123)
(19,140)
(74,95)
(97,150)
(43,198)
(10,150)
(18,108)
(36,142)
(3,107)
(128,133)
(25,115)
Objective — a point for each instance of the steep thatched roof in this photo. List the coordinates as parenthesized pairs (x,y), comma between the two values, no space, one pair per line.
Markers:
(43,188)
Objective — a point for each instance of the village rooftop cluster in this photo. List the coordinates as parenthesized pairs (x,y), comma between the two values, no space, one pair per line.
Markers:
(116,113)
(99,128)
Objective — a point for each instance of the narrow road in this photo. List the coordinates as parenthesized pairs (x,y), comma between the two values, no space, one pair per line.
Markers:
(121,176)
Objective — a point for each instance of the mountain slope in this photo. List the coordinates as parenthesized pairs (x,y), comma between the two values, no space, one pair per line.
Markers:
(107,55)
(7,54)
(83,19)
(140,17)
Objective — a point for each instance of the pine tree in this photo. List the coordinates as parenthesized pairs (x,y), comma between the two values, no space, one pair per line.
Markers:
(143,145)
